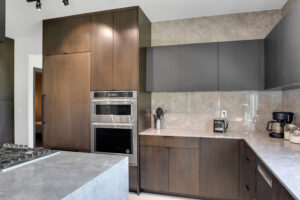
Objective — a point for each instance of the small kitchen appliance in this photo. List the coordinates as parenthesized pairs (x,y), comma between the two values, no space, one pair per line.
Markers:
(220,125)
(280,119)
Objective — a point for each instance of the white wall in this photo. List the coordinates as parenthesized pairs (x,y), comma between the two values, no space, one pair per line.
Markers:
(24,47)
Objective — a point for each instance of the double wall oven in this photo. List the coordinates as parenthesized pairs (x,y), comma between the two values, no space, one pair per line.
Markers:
(114,123)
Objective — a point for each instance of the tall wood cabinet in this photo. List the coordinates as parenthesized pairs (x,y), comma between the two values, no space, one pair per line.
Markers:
(117,40)
(67,103)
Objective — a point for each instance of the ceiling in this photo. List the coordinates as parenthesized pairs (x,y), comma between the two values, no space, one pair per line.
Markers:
(24,20)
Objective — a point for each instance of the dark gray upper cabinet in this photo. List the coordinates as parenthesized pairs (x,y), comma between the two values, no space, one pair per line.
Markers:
(289,41)
(199,67)
(206,67)
(182,68)
(240,65)
(273,68)
(163,69)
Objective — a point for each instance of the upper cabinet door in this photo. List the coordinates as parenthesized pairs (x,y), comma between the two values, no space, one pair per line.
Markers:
(199,67)
(273,75)
(126,50)
(163,65)
(290,46)
(67,35)
(239,65)
(102,51)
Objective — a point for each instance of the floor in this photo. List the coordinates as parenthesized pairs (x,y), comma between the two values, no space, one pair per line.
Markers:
(146,196)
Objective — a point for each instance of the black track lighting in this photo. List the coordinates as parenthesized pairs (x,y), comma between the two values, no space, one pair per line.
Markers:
(66,2)
(38,5)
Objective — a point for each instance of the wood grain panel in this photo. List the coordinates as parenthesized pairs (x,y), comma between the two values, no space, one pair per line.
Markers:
(67,102)
(126,50)
(184,171)
(279,192)
(154,166)
(38,97)
(219,168)
(155,141)
(182,142)
(102,52)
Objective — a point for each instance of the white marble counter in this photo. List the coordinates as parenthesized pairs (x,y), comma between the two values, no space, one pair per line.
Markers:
(68,176)
(280,156)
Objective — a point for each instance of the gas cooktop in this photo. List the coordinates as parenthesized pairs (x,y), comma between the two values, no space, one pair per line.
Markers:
(12,154)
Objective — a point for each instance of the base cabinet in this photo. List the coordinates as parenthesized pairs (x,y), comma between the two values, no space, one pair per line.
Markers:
(154,169)
(184,171)
(219,168)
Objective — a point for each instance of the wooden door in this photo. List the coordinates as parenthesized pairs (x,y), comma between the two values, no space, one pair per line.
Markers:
(102,52)
(126,50)
(219,168)
(154,166)
(184,171)
(67,102)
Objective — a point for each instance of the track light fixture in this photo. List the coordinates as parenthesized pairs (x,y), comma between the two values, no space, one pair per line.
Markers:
(39,4)
(66,2)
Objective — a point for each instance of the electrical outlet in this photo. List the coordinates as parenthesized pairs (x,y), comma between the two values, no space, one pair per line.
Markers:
(224,113)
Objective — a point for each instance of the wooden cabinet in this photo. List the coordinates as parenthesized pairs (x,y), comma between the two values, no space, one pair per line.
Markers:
(184,171)
(247,172)
(219,168)
(264,182)
(67,35)
(134,178)
(67,101)
(240,65)
(126,50)
(154,168)
(117,51)
(102,51)
(279,192)
(7,91)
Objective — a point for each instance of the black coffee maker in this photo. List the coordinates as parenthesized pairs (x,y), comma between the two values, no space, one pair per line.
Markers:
(276,127)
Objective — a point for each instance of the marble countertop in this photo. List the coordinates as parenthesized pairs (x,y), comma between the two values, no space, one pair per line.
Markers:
(55,177)
(280,156)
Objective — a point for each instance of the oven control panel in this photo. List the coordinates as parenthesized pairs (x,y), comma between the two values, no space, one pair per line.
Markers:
(112,94)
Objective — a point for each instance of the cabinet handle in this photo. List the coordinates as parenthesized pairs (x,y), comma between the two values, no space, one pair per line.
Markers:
(43,110)
(247,158)
(247,187)
(265,176)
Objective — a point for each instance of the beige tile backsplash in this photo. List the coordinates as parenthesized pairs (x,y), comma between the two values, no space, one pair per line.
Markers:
(246,110)
(291,103)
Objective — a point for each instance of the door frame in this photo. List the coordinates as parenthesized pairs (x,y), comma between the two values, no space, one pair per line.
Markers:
(35,71)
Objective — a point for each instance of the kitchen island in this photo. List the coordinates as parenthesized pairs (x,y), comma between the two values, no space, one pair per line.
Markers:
(281,157)
(68,176)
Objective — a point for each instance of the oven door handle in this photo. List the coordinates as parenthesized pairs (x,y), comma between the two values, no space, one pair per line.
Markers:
(112,125)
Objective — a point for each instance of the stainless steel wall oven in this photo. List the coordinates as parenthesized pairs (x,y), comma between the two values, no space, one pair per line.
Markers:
(114,123)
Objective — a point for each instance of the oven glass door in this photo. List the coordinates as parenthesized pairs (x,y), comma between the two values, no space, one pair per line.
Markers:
(101,109)
(114,140)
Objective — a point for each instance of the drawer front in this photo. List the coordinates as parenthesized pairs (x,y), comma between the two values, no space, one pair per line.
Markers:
(154,141)
(181,142)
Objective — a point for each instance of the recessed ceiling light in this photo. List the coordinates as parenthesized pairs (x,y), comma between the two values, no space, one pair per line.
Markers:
(38,5)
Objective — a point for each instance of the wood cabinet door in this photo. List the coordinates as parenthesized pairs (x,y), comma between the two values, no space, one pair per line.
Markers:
(219,168)
(279,192)
(102,51)
(67,101)
(67,35)
(154,164)
(264,180)
(126,50)
(184,171)
(54,37)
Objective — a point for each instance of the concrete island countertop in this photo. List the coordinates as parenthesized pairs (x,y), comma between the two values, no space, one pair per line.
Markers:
(68,176)
(280,156)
